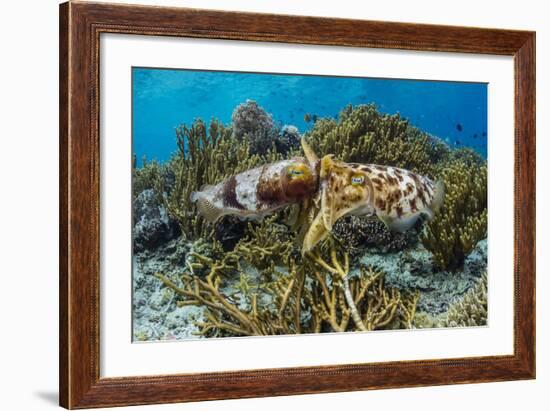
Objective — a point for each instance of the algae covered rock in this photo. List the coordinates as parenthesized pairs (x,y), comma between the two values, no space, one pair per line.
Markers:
(152,224)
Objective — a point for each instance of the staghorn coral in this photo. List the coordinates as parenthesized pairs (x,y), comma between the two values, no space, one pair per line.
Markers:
(306,297)
(363,135)
(205,156)
(471,310)
(462,221)
(227,314)
(364,298)
(266,244)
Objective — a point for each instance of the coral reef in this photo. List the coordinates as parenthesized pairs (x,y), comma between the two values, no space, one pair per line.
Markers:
(364,135)
(298,298)
(289,140)
(471,310)
(249,118)
(414,269)
(252,123)
(462,221)
(233,278)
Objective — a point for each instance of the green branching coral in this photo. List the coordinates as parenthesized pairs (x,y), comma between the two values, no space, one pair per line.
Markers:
(471,310)
(205,156)
(462,221)
(363,135)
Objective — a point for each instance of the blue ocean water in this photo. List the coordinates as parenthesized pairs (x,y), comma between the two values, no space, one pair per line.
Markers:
(163,99)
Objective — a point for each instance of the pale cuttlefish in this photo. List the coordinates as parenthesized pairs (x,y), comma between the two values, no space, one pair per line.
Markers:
(259,192)
(393,195)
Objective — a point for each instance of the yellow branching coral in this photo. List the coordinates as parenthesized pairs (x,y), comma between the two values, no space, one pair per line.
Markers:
(471,310)
(225,313)
(266,244)
(462,222)
(364,135)
(309,297)
(363,298)
(147,176)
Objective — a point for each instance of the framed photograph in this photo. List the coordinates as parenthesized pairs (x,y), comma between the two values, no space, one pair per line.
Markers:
(259,205)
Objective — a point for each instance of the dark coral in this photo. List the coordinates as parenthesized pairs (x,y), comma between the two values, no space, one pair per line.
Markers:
(357,234)
(152,224)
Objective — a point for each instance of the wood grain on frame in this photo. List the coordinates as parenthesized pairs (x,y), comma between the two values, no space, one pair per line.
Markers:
(80,27)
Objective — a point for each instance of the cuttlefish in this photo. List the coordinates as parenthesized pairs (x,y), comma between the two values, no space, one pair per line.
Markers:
(259,192)
(393,195)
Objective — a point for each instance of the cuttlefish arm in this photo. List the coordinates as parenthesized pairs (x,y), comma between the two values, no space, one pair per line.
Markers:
(395,196)
(343,190)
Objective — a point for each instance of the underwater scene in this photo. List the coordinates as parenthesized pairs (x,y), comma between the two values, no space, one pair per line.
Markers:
(281,204)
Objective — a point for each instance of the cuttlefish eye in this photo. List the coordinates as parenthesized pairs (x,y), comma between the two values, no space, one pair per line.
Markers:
(297,171)
(357,180)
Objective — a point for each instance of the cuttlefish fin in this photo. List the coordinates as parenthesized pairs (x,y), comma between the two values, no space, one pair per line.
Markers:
(316,233)
(308,152)
(208,210)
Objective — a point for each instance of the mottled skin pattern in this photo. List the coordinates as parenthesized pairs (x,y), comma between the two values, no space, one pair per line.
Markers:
(256,193)
(398,193)
(396,196)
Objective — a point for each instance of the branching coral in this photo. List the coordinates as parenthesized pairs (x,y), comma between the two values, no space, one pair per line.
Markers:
(266,244)
(362,298)
(227,315)
(303,298)
(471,310)
(364,135)
(462,221)
(146,176)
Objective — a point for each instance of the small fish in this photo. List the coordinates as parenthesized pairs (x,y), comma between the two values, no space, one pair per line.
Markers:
(459,127)
(395,196)
(484,134)
(258,192)
(475,135)
(307,117)
(314,118)
(457,142)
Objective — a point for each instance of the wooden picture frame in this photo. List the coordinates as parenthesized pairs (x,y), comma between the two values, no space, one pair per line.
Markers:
(80,27)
